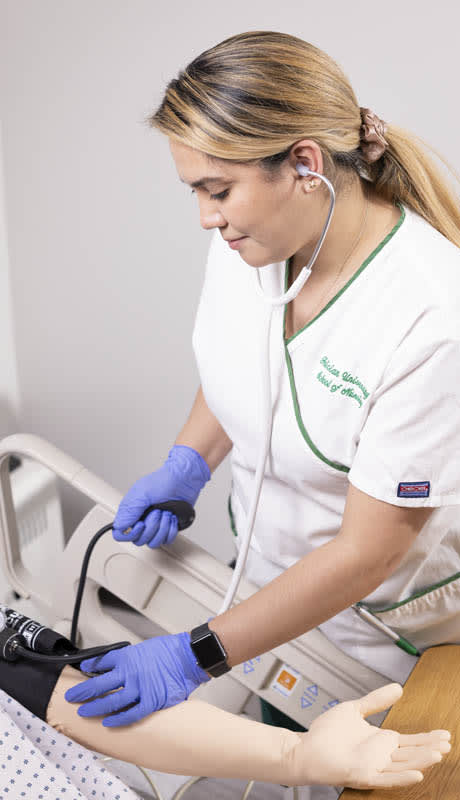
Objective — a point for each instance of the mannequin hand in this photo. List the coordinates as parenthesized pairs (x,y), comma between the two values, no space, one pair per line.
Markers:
(181,477)
(342,749)
(153,674)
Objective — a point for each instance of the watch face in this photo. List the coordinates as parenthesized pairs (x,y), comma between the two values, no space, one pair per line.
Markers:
(209,651)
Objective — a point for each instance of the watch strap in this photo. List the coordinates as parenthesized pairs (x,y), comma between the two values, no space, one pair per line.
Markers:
(197,636)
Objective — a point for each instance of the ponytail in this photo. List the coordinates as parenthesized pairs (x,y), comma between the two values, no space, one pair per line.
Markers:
(407,173)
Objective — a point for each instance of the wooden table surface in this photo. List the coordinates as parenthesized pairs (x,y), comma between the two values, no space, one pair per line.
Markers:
(431,701)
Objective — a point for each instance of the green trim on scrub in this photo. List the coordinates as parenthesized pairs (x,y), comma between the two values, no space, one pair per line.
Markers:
(230,514)
(336,465)
(413,596)
(299,419)
(353,277)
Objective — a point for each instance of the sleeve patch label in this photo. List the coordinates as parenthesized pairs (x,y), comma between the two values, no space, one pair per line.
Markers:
(421,489)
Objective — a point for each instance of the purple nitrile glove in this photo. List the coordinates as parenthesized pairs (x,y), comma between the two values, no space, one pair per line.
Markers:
(181,477)
(157,673)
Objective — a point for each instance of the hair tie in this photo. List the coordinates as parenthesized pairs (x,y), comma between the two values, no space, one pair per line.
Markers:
(372,132)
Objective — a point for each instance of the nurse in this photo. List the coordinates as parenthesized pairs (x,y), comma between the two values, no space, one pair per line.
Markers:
(362,484)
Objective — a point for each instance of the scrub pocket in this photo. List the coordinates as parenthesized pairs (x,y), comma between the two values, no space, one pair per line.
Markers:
(429,617)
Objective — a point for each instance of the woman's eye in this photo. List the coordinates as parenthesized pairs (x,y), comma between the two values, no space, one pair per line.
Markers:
(220,196)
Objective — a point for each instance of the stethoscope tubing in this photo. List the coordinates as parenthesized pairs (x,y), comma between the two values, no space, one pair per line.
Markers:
(267,410)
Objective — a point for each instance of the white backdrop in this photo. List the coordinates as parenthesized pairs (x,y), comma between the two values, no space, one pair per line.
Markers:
(106,251)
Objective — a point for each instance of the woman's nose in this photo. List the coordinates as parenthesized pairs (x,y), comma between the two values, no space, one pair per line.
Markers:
(209,221)
(209,217)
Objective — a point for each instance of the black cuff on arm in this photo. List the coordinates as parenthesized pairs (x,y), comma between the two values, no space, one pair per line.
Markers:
(31,683)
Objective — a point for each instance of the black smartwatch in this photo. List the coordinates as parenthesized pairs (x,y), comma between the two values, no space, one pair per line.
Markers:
(209,652)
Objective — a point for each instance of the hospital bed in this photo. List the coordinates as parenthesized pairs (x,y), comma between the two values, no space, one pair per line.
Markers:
(173,589)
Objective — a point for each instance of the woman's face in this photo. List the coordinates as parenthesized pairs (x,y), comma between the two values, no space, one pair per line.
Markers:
(277,219)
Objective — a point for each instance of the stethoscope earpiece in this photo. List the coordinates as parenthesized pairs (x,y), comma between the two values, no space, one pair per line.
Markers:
(303,170)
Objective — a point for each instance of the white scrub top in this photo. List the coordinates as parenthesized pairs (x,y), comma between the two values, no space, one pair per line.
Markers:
(367,392)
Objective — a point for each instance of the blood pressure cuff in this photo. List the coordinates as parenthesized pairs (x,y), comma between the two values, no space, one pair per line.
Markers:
(31,683)
(38,637)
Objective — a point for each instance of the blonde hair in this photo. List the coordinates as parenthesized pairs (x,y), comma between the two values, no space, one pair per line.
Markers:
(249,98)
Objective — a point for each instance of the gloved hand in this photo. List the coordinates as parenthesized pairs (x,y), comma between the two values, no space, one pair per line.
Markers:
(181,477)
(157,673)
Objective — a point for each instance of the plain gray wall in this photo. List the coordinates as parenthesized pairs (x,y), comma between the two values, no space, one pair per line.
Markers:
(9,386)
(106,251)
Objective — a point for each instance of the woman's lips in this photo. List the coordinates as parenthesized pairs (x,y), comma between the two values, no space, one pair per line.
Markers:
(235,243)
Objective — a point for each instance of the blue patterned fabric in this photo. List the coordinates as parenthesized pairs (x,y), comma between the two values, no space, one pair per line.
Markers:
(37,761)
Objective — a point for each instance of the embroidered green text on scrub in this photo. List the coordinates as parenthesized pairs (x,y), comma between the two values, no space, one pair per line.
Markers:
(347,377)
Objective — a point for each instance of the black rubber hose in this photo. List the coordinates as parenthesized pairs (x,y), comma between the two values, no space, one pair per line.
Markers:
(185,514)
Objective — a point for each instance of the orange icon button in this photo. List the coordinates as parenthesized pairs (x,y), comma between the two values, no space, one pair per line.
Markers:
(286,679)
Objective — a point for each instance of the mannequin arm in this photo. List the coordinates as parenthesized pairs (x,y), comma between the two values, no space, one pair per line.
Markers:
(195,738)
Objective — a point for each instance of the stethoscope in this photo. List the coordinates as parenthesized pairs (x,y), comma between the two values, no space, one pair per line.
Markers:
(267,422)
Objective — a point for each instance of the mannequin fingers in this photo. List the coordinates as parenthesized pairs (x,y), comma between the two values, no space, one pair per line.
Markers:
(404,754)
(388,779)
(443,746)
(379,699)
(421,760)
(424,739)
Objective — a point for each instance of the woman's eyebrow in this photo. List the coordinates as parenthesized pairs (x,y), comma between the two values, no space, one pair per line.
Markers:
(202,181)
